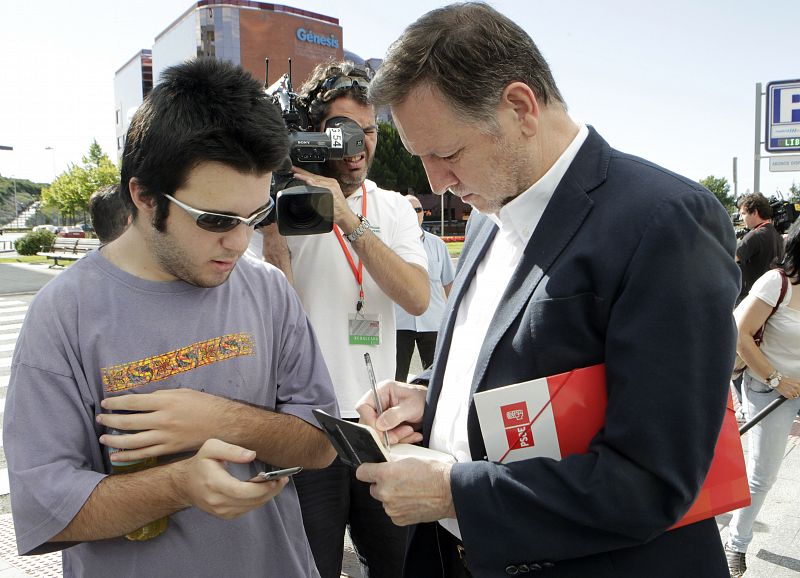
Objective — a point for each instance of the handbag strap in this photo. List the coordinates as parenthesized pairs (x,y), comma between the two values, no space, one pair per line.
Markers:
(784,287)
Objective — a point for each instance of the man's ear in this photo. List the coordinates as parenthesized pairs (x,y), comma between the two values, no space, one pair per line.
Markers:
(143,202)
(519,99)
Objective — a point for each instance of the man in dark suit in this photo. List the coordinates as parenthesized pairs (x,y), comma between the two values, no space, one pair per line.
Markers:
(576,255)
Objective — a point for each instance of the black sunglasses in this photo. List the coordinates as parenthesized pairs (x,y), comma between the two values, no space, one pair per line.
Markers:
(418,209)
(337,82)
(218,223)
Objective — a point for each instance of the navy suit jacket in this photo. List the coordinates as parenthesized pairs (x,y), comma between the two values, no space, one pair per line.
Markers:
(632,266)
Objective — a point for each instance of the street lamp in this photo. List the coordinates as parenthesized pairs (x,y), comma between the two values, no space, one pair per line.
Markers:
(16,208)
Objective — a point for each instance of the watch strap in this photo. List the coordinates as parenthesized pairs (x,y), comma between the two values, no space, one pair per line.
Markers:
(353,235)
(774,376)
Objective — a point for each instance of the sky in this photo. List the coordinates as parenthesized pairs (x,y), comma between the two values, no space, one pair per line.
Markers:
(671,81)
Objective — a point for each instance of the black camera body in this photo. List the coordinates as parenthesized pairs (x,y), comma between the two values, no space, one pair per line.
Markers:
(302,209)
(784,214)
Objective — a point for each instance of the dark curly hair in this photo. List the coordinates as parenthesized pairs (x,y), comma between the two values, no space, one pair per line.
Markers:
(756,202)
(318,101)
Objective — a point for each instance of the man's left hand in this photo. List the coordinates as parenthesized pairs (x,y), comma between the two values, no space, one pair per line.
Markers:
(168,422)
(412,491)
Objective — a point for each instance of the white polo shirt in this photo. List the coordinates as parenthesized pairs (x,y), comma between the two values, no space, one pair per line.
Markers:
(329,291)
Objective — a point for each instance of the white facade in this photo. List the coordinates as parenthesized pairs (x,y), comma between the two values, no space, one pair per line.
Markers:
(176,44)
(128,95)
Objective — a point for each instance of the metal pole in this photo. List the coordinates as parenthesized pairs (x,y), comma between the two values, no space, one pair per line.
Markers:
(735,181)
(16,210)
(762,414)
(441,214)
(757,155)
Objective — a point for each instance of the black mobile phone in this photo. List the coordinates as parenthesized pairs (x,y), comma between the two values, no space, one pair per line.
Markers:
(275,474)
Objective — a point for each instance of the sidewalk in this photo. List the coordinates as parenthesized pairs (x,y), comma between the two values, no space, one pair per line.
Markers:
(775,549)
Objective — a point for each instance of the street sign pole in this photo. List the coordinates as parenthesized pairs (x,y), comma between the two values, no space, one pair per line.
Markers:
(757,154)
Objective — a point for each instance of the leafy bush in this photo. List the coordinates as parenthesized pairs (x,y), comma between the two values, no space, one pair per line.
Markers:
(33,242)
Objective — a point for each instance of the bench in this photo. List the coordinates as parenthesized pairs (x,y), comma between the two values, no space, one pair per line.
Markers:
(68,249)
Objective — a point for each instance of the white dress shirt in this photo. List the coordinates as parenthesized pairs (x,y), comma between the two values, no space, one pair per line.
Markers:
(516,222)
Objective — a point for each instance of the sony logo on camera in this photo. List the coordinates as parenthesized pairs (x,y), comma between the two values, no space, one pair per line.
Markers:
(304,35)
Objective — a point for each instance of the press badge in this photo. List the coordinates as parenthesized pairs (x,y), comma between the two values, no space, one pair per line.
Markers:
(364,329)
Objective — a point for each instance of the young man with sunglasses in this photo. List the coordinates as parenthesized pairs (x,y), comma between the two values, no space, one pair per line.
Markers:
(165,345)
(349,281)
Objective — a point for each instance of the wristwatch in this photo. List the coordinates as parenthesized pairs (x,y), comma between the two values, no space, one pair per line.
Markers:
(358,231)
(774,379)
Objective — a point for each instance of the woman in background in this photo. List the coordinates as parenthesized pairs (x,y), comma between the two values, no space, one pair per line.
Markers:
(773,370)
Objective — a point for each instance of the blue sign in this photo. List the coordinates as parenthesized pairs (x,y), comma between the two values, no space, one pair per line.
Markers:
(783,116)
(304,35)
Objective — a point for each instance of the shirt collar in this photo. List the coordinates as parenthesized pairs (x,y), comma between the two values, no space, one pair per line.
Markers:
(520,216)
(370,186)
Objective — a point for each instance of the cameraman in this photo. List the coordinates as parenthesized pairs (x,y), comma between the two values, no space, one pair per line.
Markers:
(762,247)
(348,281)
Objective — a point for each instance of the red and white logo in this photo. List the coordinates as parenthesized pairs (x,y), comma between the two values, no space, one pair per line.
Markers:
(517,425)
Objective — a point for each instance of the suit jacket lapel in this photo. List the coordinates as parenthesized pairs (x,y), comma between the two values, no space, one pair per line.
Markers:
(467,265)
(562,218)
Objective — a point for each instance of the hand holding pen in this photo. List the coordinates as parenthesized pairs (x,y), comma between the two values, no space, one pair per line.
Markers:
(374,385)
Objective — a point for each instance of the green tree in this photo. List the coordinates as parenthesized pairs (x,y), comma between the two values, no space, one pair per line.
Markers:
(794,193)
(71,190)
(393,168)
(721,190)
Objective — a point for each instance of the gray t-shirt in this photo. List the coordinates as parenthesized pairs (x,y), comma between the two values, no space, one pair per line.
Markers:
(96,331)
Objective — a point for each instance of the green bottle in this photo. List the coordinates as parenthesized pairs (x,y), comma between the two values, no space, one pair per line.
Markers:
(156,527)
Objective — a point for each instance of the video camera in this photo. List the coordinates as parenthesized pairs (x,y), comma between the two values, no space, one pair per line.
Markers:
(784,214)
(300,208)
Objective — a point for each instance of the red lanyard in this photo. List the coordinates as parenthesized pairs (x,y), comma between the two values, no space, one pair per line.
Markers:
(358,273)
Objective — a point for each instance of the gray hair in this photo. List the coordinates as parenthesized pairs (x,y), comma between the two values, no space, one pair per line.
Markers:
(470,53)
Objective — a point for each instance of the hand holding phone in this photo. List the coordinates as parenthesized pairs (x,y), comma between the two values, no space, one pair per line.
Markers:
(275,474)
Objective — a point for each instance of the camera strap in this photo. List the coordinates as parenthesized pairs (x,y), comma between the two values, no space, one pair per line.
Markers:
(358,272)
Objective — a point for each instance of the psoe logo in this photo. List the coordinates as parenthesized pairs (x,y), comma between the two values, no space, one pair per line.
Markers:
(304,35)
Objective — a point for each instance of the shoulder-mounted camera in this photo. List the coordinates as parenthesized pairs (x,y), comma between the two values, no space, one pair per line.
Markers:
(302,209)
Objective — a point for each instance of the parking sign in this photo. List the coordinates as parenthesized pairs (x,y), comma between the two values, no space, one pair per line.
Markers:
(783,116)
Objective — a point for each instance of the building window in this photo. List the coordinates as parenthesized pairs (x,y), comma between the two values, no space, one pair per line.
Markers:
(119,117)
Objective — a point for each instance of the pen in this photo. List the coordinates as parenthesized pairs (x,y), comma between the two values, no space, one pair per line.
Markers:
(374,386)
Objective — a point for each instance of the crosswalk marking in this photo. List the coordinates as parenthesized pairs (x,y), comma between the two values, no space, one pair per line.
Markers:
(12,313)
(4,485)
(14,309)
(12,317)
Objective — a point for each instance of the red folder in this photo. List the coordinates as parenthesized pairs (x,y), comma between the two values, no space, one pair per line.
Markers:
(578,401)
